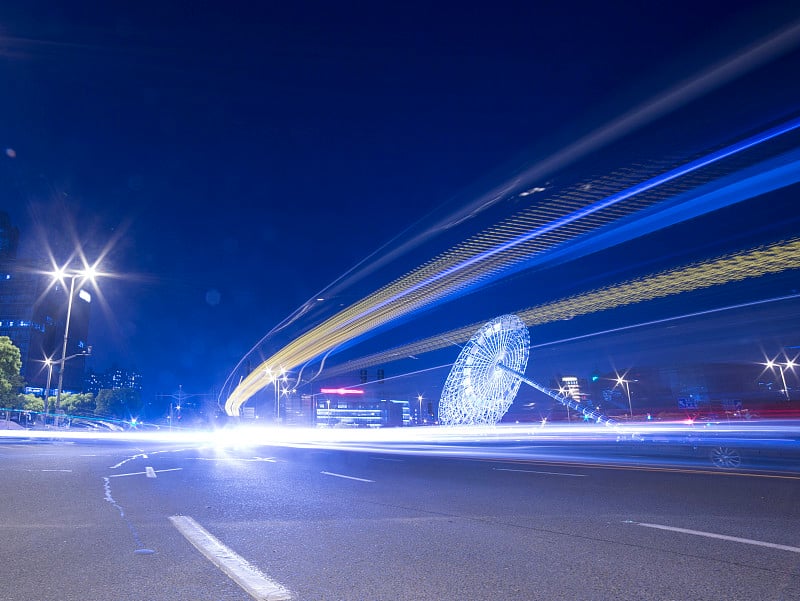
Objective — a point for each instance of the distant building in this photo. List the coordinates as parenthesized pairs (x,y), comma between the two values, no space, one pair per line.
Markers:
(114,378)
(570,386)
(9,237)
(93,382)
(33,315)
(298,410)
(349,409)
(670,392)
(398,413)
(706,387)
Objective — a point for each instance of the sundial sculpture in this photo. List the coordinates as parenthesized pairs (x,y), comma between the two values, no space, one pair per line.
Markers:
(486,376)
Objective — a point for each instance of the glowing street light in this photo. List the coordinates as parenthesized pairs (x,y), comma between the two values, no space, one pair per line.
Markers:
(419,417)
(790,364)
(280,375)
(627,385)
(88,273)
(48,361)
(564,393)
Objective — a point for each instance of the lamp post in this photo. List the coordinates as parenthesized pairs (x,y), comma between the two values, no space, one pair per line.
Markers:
(419,415)
(177,403)
(274,380)
(565,397)
(49,363)
(88,273)
(626,384)
(172,406)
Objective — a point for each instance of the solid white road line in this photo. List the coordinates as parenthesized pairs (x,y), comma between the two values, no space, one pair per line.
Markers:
(238,569)
(347,477)
(507,469)
(735,539)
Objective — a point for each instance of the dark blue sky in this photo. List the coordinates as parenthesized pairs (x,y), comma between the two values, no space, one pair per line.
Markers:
(238,157)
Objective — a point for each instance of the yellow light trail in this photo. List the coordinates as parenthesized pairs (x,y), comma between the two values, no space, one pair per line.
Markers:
(758,262)
(551,223)
(426,284)
(730,268)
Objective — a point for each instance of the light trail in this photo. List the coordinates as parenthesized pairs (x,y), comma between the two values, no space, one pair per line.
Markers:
(491,254)
(651,446)
(730,268)
(596,207)
(730,68)
(668,320)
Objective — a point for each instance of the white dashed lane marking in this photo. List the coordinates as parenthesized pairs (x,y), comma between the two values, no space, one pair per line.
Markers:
(346,477)
(735,539)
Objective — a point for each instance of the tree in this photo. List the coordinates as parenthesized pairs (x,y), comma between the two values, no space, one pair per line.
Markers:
(122,403)
(30,402)
(78,404)
(10,379)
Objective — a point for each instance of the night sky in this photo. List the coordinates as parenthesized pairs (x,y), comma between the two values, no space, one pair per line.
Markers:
(236,158)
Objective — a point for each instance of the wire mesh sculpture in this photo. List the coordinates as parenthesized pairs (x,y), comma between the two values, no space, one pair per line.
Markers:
(486,376)
(478,390)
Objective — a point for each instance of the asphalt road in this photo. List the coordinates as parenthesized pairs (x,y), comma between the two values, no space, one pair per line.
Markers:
(98,520)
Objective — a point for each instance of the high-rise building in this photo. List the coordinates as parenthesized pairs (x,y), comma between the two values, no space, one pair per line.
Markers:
(9,237)
(571,387)
(114,378)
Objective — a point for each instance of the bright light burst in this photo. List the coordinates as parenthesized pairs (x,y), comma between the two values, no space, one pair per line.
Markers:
(526,442)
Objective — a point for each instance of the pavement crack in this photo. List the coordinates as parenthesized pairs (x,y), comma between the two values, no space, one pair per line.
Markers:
(140,547)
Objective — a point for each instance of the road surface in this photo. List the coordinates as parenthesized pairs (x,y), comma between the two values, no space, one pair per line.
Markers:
(104,520)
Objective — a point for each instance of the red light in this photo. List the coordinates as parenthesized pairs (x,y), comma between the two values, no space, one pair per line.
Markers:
(341,391)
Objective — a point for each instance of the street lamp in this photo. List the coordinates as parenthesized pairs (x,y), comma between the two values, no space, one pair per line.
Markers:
(273,379)
(49,363)
(790,364)
(627,385)
(419,416)
(172,406)
(89,273)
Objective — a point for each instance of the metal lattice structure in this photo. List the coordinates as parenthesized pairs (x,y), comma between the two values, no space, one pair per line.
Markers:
(486,376)
(480,388)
